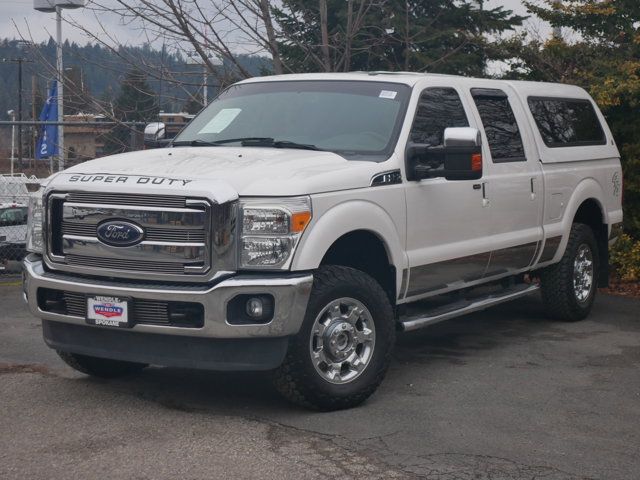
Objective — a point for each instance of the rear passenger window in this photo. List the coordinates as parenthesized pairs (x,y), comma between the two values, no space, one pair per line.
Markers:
(566,122)
(439,108)
(500,126)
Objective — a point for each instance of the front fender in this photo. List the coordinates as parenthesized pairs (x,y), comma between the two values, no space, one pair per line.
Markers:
(344,218)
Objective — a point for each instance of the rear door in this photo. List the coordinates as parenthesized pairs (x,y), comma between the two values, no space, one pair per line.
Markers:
(512,180)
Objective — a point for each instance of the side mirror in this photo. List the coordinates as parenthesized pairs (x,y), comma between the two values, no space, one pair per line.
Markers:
(459,158)
(154,135)
(461,137)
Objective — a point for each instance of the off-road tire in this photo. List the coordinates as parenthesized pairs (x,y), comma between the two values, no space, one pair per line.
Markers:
(100,367)
(561,302)
(297,379)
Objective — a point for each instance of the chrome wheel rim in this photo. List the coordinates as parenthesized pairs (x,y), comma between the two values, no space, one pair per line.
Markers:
(342,340)
(583,273)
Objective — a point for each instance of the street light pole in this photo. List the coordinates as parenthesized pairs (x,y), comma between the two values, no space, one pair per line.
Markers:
(60,91)
(20,60)
(12,114)
(57,6)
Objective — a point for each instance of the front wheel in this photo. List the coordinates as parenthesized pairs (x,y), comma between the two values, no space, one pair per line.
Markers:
(343,349)
(569,287)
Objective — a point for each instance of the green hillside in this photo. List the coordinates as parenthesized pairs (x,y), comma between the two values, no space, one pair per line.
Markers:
(95,74)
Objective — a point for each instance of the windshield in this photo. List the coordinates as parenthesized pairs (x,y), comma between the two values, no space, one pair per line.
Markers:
(351,118)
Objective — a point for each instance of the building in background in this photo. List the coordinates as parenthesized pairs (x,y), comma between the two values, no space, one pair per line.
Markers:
(84,142)
(174,122)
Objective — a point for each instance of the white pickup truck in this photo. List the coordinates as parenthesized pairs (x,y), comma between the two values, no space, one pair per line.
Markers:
(299,221)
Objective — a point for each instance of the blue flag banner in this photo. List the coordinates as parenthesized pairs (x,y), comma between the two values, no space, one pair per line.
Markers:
(48,141)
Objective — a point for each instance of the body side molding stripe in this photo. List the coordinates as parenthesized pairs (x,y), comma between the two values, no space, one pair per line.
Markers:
(458,272)
(403,284)
(550,248)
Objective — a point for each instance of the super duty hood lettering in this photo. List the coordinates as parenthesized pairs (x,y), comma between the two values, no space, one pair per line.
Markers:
(215,189)
(128,179)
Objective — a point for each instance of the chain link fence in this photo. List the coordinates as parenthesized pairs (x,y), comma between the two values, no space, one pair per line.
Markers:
(14,202)
(86,138)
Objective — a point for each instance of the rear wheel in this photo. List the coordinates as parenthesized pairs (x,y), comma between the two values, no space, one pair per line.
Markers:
(569,287)
(343,349)
(100,367)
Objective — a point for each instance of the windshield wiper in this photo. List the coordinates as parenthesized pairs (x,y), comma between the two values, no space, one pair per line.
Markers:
(270,142)
(204,143)
(247,142)
(288,144)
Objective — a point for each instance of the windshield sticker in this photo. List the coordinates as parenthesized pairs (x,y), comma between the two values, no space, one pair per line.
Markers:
(388,94)
(221,121)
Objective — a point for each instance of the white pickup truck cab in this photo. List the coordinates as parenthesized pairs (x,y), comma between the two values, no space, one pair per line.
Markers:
(299,221)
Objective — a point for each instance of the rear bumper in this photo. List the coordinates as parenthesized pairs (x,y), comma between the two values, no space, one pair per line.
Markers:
(290,292)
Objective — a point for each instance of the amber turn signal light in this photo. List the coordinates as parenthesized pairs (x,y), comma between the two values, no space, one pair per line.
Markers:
(299,221)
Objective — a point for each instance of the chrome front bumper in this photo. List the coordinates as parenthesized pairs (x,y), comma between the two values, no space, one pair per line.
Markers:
(290,292)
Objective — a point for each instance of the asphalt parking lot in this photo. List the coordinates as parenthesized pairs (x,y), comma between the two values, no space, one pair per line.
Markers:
(504,394)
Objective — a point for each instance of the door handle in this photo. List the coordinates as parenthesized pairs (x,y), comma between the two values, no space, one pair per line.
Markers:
(533,190)
(485,200)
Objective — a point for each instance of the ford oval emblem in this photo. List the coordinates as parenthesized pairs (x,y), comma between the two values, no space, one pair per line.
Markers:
(119,233)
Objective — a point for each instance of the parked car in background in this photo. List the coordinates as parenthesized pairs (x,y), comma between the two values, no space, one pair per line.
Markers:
(13,231)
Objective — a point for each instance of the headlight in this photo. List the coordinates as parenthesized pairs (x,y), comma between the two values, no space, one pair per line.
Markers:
(271,230)
(34,224)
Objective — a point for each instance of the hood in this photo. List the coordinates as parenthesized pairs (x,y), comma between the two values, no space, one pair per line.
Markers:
(247,171)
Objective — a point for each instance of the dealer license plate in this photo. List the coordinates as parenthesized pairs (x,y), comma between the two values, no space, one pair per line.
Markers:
(108,311)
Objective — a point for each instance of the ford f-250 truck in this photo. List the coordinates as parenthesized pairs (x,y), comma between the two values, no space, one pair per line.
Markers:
(298,221)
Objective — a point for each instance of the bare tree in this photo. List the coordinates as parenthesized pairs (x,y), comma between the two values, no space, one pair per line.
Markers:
(207,28)
(226,29)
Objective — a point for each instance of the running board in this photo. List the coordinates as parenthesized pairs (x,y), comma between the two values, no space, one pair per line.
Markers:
(458,309)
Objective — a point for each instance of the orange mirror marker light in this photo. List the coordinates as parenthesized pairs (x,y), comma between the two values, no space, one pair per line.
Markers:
(476,162)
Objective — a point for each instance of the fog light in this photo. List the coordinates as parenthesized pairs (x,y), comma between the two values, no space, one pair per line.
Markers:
(254,307)
(250,309)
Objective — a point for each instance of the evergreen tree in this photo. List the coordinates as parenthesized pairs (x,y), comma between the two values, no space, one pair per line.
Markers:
(136,102)
(193,105)
(445,36)
(606,62)
(77,98)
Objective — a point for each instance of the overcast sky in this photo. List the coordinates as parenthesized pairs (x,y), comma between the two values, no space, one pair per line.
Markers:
(20,20)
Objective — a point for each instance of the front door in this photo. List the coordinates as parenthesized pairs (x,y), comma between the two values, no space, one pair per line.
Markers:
(448,226)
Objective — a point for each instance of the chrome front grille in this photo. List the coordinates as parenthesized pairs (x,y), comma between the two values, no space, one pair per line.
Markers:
(128,199)
(181,236)
(115,264)
(152,234)
(154,312)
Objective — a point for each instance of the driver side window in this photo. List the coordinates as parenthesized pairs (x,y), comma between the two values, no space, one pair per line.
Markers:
(439,108)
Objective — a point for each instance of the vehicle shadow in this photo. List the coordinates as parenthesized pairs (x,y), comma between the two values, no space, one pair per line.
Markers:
(419,353)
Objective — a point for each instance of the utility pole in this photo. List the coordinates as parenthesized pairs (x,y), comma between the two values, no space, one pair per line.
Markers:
(160,108)
(60,85)
(557,31)
(205,81)
(34,135)
(19,61)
